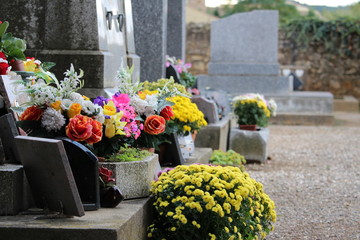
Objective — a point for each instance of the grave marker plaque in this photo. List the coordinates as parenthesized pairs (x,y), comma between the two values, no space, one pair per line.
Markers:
(170,153)
(84,166)
(49,174)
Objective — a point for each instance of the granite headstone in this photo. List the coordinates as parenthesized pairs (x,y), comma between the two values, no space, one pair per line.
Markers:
(150,31)
(49,174)
(207,107)
(176,26)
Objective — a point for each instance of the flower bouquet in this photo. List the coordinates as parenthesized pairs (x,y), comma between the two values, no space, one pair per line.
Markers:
(253,109)
(54,108)
(210,202)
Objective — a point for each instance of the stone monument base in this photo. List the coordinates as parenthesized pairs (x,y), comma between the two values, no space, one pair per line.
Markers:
(251,144)
(214,135)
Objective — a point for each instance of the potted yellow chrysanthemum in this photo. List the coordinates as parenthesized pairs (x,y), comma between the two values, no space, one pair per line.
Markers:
(210,202)
(253,110)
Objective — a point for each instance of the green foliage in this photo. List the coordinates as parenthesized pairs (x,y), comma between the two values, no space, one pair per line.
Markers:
(11,46)
(339,37)
(350,12)
(128,154)
(250,114)
(187,79)
(229,158)
(286,11)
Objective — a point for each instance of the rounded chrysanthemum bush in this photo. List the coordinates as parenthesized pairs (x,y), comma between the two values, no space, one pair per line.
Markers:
(210,202)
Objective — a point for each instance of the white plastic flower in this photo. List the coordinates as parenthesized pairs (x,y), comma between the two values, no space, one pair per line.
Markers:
(66,103)
(52,120)
(88,107)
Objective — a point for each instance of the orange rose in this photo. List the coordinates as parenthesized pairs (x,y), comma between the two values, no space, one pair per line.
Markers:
(74,109)
(167,113)
(97,132)
(80,128)
(31,113)
(154,125)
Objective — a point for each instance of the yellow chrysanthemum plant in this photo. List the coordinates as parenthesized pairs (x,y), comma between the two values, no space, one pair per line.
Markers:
(187,116)
(253,109)
(210,202)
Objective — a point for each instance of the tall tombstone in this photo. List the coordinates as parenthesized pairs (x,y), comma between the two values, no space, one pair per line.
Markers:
(176,28)
(150,31)
(89,34)
(244,50)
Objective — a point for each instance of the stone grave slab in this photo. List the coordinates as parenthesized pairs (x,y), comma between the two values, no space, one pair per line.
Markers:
(84,167)
(170,153)
(214,135)
(8,131)
(2,154)
(7,89)
(49,174)
(134,178)
(207,107)
(251,144)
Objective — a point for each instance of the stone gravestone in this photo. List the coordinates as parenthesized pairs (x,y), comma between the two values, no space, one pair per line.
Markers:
(84,166)
(170,153)
(89,34)
(244,54)
(176,28)
(49,173)
(244,59)
(2,154)
(150,31)
(207,107)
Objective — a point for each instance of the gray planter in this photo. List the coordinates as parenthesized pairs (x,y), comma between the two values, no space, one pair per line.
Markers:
(134,178)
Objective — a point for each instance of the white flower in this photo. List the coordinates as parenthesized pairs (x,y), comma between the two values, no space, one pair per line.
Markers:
(88,107)
(52,120)
(76,98)
(272,107)
(65,104)
(139,104)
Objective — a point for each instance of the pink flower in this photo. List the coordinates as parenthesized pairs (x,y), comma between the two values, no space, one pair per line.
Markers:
(120,99)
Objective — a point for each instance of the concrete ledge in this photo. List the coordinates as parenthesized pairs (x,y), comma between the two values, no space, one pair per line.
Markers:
(214,135)
(128,221)
(303,119)
(243,69)
(251,144)
(346,104)
(134,178)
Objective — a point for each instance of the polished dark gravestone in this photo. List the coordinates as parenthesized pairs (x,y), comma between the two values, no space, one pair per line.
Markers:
(2,154)
(171,72)
(8,131)
(170,153)
(49,174)
(84,166)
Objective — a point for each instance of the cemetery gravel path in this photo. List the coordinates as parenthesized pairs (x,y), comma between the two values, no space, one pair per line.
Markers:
(314,179)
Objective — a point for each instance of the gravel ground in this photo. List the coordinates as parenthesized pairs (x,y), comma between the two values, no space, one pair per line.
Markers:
(314,179)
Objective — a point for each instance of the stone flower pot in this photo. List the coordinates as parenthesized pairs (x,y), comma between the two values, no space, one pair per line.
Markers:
(134,178)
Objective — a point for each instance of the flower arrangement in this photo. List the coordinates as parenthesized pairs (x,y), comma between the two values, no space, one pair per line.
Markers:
(56,109)
(186,78)
(210,202)
(228,158)
(187,117)
(168,85)
(120,124)
(152,109)
(253,109)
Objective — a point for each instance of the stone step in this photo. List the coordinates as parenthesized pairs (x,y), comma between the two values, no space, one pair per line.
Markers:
(201,155)
(128,221)
(303,119)
(346,104)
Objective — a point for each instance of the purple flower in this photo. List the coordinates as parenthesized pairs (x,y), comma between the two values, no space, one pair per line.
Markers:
(100,100)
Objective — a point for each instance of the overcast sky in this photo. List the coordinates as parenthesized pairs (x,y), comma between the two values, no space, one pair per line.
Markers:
(331,3)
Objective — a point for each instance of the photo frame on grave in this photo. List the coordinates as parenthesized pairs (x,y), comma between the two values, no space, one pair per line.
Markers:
(84,166)
(8,132)
(7,90)
(171,72)
(170,153)
(49,175)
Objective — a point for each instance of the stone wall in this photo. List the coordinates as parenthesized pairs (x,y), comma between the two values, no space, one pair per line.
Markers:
(324,71)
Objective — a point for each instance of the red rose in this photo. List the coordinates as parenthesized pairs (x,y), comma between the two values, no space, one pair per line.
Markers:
(97,132)
(79,128)
(106,174)
(154,125)
(2,55)
(3,68)
(167,113)
(31,113)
